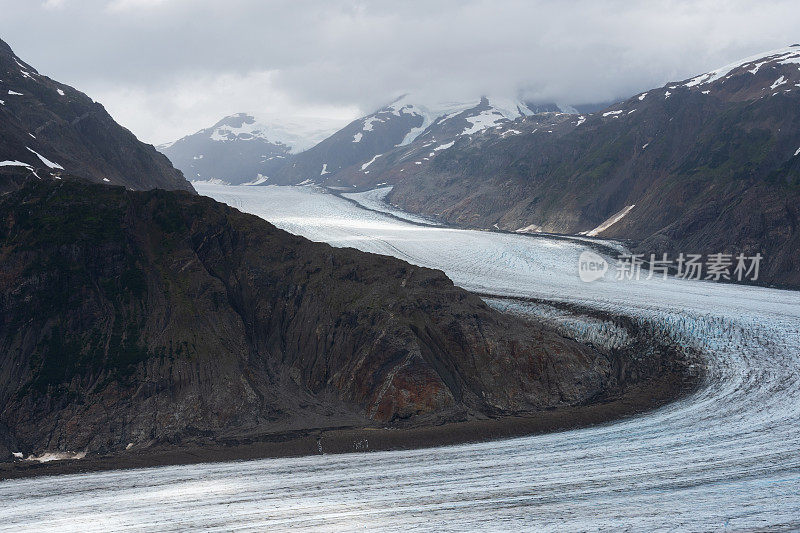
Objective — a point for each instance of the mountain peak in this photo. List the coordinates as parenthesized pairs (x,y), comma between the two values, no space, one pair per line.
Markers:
(751,64)
(244,147)
(5,48)
(50,129)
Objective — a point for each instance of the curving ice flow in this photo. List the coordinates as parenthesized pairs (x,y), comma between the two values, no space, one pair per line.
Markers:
(725,458)
(375,200)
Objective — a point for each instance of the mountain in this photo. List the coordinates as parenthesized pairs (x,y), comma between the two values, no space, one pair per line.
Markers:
(403,123)
(706,165)
(47,128)
(136,319)
(241,148)
(389,168)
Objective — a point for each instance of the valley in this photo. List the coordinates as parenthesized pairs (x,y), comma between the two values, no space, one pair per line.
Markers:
(724,456)
(395,280)
(703,165)
(143,325)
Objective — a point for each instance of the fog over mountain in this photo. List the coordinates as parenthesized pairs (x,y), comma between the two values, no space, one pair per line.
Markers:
(166,68)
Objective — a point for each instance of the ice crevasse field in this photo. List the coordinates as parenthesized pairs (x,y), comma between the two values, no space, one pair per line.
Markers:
(727,457)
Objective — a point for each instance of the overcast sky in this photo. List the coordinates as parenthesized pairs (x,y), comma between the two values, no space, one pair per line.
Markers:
(165,68)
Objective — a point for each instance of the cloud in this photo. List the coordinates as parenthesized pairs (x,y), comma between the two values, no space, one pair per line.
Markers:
(153,58)
(125,5)
(188,103)
(53,4)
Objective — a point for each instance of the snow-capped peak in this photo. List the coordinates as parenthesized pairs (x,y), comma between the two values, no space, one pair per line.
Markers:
(296,134)
(782,56)
(480,113)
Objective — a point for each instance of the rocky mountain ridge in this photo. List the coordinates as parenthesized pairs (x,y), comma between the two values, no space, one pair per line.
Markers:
(136,319)
(48,128)
(706,165)
(239,149)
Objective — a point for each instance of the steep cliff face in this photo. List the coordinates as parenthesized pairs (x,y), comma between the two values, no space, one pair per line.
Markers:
(709,165)
(48,128)
(163,317)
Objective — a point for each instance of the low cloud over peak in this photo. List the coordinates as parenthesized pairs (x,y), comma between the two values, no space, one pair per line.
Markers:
(167,67)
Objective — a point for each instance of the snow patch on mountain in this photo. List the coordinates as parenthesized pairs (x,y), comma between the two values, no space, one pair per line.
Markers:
(258,181)
(368,163)
(14,164)
(296,134)
(783,56)
(755,69)
(501,110)
(369,123)
(531,228)
(46,161)
(211,181)
(24,69)
(483,120)
(444,146)
(780,81)
(608,223)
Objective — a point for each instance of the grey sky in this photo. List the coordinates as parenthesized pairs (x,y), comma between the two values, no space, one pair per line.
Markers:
(165,68)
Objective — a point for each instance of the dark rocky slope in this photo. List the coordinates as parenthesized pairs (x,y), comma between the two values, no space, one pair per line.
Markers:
(72,133)
(355,144)
(163,318)
(711,164)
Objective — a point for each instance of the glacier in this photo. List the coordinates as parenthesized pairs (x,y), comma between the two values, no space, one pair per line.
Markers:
(725,457)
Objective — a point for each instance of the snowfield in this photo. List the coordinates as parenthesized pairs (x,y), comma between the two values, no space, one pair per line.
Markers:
(502,110)
(44,160)
(727,457)
(781,56)
(612,220)
(299,133)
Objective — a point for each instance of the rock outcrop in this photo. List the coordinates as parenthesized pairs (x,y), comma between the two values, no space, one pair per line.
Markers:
(143,318)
